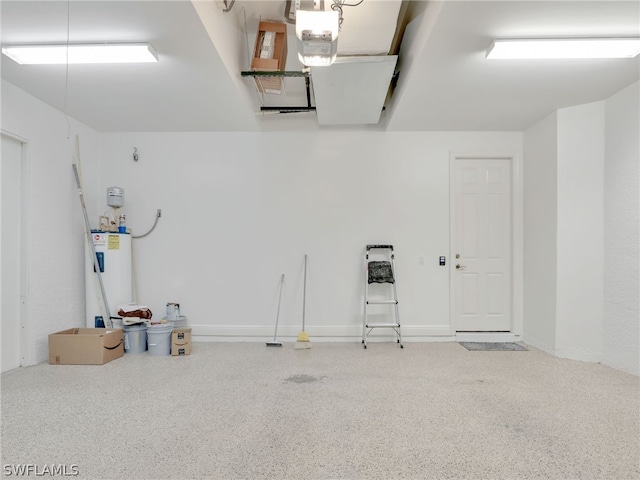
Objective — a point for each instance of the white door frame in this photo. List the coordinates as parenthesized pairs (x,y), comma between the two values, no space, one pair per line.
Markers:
(517,227)
(25,351)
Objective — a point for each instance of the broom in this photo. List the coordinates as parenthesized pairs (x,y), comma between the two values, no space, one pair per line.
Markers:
(303,339)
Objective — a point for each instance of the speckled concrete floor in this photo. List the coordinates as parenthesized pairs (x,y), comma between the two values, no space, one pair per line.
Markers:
(244,410)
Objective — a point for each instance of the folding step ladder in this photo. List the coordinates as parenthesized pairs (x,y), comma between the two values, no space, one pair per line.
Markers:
(380,271)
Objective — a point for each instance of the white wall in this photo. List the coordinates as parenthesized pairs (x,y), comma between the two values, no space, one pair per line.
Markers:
(621,332)
(239,209)
(580,245)
(582,232)
(55,232)
(563,169)
(540,233)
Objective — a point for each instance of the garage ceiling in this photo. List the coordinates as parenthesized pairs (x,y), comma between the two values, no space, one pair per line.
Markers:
(443,80)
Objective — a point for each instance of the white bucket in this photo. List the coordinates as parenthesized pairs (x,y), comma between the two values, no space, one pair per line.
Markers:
(116,322)
(180,322)
(159,339)
(135,338)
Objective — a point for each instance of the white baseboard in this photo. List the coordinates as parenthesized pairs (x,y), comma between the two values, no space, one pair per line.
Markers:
(578,354)
(540,346)
(343,333)
(332,333)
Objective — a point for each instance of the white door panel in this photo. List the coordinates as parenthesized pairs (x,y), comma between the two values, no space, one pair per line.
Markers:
(481,267)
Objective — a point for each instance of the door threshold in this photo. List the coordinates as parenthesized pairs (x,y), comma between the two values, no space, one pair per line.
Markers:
(498,337)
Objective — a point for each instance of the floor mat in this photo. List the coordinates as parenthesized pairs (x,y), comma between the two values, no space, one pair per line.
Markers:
(493,346)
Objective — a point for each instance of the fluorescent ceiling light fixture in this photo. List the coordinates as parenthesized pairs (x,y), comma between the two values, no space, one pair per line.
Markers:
(563,48)
(317,37)
(81,53)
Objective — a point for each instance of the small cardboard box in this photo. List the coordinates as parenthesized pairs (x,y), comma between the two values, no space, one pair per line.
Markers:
(85,346)
(181,341)
(270,55)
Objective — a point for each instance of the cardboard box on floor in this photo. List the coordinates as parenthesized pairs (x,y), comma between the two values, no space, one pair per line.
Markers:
(181,341)
(270,55)
(85,346)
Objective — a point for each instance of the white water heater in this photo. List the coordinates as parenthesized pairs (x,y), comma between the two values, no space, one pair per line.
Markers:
(113,251)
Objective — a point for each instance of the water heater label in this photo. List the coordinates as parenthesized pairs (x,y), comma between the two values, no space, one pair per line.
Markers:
(99,240)
(114,242)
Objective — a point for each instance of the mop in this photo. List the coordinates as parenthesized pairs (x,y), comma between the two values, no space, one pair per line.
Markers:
(275,343)
(303,339)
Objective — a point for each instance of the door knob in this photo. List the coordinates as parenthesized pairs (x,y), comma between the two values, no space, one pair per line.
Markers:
(460,267)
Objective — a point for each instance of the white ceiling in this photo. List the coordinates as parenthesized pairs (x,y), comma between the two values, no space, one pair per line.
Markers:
(444,81)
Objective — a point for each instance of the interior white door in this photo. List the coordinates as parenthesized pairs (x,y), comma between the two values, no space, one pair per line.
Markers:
(10,194)
(481,245)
